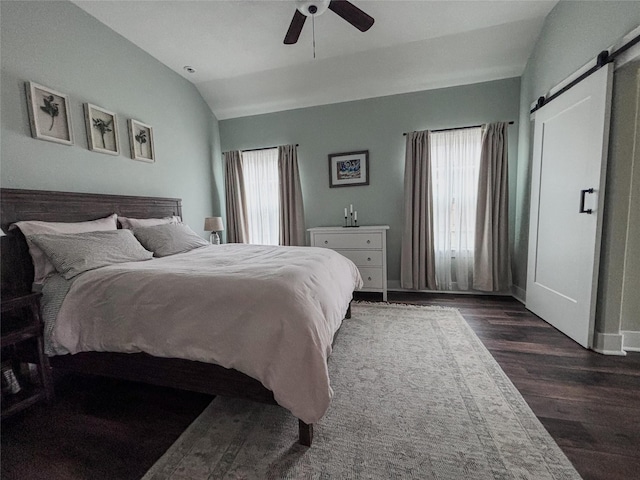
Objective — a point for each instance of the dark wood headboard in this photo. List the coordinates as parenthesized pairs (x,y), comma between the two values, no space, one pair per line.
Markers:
(17,205)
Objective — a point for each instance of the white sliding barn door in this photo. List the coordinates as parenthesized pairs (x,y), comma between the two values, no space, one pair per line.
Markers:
(567,196)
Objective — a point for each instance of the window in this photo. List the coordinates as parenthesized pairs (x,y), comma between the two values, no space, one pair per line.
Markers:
(455,163)
(260,169)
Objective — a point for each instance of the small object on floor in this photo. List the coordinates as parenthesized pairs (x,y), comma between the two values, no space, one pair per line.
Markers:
(10,382)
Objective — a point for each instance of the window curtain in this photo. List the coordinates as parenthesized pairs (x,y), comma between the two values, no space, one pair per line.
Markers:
(292,230)
(235,199)
(417,268)
(455,156)
(492,263)
(261,183)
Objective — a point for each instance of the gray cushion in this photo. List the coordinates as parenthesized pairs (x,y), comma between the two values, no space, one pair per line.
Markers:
(169,239)
(73,254)
(131,223)
(42,267)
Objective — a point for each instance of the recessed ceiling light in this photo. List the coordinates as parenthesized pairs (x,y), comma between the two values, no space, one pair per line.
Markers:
(189,69)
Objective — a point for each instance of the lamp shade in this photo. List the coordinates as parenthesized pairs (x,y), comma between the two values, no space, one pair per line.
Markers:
(213,224)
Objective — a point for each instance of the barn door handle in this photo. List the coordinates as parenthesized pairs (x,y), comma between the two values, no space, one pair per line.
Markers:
(582,195)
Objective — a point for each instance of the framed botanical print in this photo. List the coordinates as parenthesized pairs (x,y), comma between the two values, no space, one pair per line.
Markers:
(141,141)
(49,115)
(102,130)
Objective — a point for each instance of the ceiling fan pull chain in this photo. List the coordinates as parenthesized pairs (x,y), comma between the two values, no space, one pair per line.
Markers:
(313,27)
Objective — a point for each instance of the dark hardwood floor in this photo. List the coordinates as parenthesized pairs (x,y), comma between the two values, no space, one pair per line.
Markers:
(97,428)
(589,403)
(108,429)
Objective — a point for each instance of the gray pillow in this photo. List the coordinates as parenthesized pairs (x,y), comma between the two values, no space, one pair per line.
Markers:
(73,254)
(132,223)
(42,267)
(169,239)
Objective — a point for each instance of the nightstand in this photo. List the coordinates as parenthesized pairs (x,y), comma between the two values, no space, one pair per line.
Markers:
(25,368)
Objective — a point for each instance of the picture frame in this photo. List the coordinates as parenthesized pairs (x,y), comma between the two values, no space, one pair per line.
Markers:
(102,130)
(141,141)
(49,114)
(349,169)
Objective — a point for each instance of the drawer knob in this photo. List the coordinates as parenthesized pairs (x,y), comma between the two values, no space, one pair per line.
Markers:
(368,241)
(369,278)
(326,241)
(368,259)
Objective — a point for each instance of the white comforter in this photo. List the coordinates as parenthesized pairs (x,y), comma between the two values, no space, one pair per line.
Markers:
(269,312)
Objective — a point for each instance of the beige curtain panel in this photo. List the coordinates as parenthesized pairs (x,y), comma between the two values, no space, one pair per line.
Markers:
(292,230)
(236,208)
(417,268)
(492,263)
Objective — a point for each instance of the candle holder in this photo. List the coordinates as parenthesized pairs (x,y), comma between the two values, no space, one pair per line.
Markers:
(350,220)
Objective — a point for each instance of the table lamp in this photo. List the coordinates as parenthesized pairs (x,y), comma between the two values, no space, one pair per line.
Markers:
(214,225)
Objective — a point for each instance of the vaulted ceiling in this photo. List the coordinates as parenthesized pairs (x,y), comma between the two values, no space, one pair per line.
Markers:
(244,68)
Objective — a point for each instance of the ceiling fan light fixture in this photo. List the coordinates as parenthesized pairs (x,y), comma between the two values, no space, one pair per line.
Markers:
(312,8)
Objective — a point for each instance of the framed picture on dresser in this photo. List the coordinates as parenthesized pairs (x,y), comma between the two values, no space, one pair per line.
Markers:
(349,169)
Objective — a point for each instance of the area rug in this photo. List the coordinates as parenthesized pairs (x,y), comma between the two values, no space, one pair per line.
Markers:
(417,396)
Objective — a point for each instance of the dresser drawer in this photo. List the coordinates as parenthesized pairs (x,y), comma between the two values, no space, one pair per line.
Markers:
(348,240)
(364,258)
(372,277)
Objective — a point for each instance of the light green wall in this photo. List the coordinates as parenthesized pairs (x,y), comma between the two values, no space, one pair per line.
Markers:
(618,217)
(376,125)
(573,34)
(217,185)
(58,45)
(625,152)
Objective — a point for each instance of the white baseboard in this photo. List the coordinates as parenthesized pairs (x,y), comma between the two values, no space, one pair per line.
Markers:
(519,294)
(608,343)
(631,341)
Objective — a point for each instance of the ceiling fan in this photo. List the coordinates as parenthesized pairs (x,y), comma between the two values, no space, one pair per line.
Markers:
(313,8)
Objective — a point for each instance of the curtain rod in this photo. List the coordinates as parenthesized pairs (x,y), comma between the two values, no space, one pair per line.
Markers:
(263,148)
(457,128)
(602,59)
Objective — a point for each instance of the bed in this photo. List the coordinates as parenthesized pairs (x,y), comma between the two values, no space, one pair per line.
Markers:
(162,366)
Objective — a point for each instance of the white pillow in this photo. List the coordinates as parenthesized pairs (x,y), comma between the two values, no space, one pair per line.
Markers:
(131,223)
(42,267)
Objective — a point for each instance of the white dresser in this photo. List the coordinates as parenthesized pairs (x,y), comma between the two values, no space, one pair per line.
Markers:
(365,246)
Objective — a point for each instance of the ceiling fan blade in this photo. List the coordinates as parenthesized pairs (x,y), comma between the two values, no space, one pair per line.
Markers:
(352,14)
(297,22)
